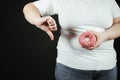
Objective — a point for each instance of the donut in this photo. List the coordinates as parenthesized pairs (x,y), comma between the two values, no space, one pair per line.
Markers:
(87,39)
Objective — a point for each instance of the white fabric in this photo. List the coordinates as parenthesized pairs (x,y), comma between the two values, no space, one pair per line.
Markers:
(75,17)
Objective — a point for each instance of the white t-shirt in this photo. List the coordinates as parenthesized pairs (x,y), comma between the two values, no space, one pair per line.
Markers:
(75,17)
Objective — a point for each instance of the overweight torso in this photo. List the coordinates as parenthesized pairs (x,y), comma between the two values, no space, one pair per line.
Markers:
(79,16)
(75,17)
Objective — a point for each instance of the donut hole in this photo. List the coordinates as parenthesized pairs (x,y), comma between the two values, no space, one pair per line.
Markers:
(86,39)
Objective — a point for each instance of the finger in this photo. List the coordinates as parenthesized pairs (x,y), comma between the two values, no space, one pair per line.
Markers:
(52,25)
(93,47)
(50,35)
(53,28)
(47,30)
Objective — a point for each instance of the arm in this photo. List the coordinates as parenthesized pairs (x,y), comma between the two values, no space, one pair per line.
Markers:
(114,31)
(31,13)
(111,33)
(33,16)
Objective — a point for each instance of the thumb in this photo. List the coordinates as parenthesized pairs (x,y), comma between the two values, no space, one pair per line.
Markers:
(50,34)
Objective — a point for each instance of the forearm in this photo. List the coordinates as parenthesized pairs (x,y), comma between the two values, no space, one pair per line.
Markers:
(31,13)
(113,32)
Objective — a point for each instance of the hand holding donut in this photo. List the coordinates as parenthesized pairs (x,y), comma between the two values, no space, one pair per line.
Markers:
(91,40)
(87,39)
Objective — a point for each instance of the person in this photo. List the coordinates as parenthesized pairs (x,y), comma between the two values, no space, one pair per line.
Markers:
(74,62)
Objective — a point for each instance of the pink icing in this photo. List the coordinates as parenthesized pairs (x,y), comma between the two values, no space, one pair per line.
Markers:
(87,39)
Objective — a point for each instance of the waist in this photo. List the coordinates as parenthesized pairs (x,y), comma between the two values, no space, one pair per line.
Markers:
(72,43)
(86,61)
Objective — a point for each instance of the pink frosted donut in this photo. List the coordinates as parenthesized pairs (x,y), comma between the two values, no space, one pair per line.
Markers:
(87,39)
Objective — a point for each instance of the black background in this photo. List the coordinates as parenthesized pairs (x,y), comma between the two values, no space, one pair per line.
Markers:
(26,51)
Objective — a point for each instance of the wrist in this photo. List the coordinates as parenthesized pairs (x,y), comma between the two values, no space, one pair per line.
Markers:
(105,36)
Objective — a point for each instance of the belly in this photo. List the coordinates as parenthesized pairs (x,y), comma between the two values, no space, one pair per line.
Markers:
(70,38)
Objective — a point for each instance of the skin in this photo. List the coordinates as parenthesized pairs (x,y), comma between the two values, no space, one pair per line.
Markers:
(33,16)
(48,24)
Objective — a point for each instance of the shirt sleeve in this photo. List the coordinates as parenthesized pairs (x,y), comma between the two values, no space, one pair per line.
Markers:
(46,7)
(115,9)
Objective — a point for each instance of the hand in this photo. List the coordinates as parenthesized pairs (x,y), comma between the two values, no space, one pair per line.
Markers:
(48,25)
(87,39)
(100,38)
